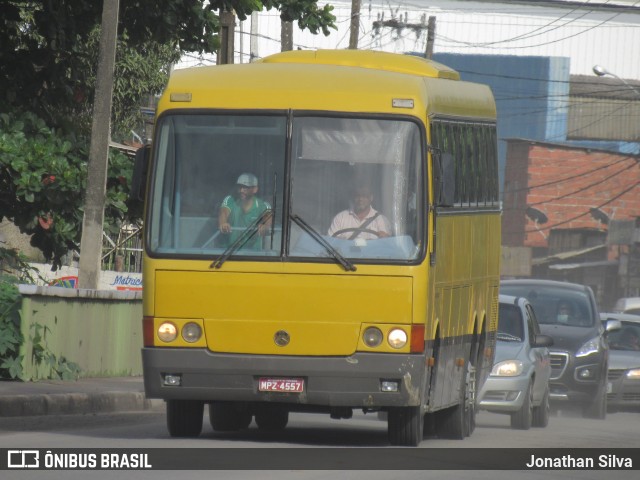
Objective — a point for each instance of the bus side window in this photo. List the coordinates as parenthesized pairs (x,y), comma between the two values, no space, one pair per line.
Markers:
(445,180)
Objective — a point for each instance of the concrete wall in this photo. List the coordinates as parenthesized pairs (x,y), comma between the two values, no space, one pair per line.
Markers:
(68,277)
(10,237)
(99,330)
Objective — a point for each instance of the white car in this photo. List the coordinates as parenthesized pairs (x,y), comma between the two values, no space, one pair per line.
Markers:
(519,381)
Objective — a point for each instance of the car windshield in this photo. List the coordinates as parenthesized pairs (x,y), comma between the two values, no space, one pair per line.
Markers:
(555,306)
(510,326)
(627,338)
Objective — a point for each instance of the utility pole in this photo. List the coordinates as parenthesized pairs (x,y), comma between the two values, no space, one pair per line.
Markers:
(355,24)
(398,24)
(227,25)
(431,36)
(254,54)
(286,36)
(92,223)
(241,38)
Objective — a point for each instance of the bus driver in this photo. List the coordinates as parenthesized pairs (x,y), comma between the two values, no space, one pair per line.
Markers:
(361,220)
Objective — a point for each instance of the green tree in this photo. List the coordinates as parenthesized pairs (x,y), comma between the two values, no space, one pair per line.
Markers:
(48,59)
(42,172)
(48,48)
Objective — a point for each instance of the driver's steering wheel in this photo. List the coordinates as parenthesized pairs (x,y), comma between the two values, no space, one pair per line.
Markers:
(356,229)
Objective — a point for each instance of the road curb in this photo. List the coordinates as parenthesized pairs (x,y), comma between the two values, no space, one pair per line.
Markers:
(74,403)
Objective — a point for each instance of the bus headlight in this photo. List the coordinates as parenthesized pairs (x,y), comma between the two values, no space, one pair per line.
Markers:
(397,338)
(167,332)
(372,337)
(191,332)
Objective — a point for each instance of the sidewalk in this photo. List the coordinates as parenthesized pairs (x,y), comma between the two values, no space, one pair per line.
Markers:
(87,395)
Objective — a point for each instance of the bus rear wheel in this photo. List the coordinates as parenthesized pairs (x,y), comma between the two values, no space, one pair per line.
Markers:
(405,426)
(470,401)
(184,417)
(458,422)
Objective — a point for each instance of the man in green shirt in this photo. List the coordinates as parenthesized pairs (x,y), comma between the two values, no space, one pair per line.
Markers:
(239,211)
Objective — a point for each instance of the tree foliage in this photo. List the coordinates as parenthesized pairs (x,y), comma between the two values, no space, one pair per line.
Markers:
(48,49)
(42,173)
(48,60)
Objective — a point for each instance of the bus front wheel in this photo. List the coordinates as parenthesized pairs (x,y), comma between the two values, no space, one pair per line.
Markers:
(184,417)
(405,426)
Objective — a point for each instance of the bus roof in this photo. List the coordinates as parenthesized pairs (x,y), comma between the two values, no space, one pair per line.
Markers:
(390,62)
(331,80)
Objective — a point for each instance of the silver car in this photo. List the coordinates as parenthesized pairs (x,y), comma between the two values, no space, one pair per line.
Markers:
(623,379)
(519,381)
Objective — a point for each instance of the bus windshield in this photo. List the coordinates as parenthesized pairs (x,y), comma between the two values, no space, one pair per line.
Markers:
(287,185)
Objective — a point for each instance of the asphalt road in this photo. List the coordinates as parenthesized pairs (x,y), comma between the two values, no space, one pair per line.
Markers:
(148,430)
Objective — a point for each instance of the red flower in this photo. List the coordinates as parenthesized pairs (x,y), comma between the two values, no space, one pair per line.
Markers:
(48,180)
(46,222)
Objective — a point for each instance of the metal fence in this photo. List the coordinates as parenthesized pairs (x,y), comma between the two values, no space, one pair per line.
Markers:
(123,253)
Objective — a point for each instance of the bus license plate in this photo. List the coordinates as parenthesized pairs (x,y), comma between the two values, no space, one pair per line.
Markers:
(292,385)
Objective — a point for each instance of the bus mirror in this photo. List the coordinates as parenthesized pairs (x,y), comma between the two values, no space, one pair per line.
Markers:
(444,180)
(139,177)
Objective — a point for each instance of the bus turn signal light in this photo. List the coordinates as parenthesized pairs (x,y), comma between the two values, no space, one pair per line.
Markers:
(148,334)
(417,338)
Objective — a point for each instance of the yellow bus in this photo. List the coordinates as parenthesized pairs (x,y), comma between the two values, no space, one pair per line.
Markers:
(322,234)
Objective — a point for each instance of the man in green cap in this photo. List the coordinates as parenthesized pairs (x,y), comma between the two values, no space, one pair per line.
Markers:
(239,211)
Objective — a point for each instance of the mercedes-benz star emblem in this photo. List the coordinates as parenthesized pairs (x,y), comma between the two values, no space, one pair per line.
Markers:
(281,338)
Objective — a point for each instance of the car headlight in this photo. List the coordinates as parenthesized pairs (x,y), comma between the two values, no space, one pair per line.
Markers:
(397,338)
(507,368)
(589,347)
(634,374)
(167,332)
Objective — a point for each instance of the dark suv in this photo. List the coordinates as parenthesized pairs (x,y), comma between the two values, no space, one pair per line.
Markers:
(567,312)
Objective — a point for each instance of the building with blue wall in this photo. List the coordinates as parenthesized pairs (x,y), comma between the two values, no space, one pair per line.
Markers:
(531,94)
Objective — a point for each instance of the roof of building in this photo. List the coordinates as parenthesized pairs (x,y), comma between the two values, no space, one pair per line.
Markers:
(604,87)
(566,145)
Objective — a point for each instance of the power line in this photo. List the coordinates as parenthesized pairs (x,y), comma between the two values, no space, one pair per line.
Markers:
(489,8)
(587,187)
(582,127)
(467,44)
(531,33)
(539,44)
(564,222)
(573,177)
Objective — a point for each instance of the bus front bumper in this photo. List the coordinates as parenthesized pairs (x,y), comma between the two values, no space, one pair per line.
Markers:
(355,381)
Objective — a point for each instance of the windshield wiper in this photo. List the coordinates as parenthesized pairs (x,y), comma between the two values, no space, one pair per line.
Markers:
(247,235)
(346,264)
